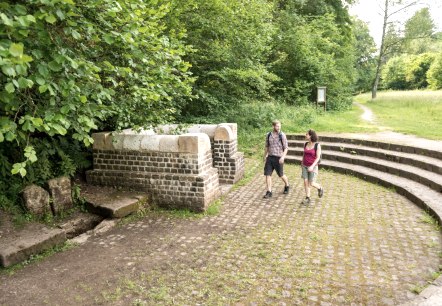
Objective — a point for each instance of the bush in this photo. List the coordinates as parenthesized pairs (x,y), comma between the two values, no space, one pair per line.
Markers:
(394,73)
(416,75)
(434,73)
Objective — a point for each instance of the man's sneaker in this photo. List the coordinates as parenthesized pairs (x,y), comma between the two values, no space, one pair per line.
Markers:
(320,192)
(306,200)
(268,195)
(286,189)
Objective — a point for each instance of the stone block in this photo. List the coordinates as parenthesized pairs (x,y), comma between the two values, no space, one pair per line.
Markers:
(102,141)
(151,143)
(166,129)
(115,204)
(233,128)
(116,142)
(169,143)
(31,240)
(60,190)
(194,143)
(133,142)
(224,132)
(208,129)
(80,223)
(36,200)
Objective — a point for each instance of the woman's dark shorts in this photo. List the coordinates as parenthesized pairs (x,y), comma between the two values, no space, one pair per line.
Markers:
(272,163)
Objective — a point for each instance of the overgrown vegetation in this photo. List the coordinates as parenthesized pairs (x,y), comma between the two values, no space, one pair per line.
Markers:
(69,68)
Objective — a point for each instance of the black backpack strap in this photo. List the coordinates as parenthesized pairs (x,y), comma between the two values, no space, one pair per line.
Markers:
(316,150)
(280,139)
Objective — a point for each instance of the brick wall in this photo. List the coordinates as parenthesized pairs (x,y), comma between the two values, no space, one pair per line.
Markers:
(228,161)
(173,180)
(177,171)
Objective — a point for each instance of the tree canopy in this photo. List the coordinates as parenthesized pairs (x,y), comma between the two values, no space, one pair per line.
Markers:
(73,67)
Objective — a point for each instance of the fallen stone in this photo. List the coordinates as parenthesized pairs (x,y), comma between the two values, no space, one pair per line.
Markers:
(101,228)
(80,223)
(36,200)
(60,190)
(114,203)
(34,238)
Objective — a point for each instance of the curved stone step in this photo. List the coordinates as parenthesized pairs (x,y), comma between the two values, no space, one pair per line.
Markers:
(424,162)
(421,195)
(375,144)
(424,177)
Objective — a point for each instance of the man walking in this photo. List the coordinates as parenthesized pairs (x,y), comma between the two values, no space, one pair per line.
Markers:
(276,149)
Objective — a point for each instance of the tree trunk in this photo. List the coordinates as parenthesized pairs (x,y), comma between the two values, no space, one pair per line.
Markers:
(381,54)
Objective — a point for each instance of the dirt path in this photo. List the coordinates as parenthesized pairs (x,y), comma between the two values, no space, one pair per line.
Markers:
(361,244)
(367,115)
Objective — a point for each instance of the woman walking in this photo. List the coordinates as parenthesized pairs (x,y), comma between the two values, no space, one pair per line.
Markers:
(310,160)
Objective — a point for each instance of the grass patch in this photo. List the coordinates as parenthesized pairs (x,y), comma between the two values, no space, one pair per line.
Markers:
(409,112)
(297,120)
(429,219)
(343,122)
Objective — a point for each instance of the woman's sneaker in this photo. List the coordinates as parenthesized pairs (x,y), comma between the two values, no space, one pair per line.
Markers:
(306,200)
(286,189)
(268,195)
(320,192)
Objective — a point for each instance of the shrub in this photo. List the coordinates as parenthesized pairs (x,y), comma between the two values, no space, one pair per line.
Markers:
(394,73)
(434,73)
(417,67)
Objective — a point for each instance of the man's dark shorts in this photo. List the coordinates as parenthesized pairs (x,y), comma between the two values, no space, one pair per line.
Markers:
(272,163)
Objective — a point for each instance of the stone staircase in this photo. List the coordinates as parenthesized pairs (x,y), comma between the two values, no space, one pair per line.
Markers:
(414,172)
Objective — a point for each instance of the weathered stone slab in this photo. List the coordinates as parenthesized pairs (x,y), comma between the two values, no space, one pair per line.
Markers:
(115,204)
(60,190)
(105,226)
(36,200)
(32,239)
(80,223)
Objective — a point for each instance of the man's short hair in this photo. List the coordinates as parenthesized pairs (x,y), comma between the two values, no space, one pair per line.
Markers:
(275,122)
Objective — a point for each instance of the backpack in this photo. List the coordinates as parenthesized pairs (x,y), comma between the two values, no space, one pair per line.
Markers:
(316,150)
(280,139)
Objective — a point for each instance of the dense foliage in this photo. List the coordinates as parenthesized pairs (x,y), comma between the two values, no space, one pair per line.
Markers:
(68,68)
(365,56)
(72,67)
(411,60)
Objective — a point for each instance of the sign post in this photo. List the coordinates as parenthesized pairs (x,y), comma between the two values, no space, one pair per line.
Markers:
(321,96)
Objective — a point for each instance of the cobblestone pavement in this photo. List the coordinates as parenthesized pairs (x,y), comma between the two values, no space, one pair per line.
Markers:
(361,244)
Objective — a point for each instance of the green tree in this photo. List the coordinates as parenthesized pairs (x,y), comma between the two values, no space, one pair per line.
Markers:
(394,73)
(231,41)
(69,67)
(434,73)
(388,42)
(365,52)
(310,51)
(417,69)
(418,33)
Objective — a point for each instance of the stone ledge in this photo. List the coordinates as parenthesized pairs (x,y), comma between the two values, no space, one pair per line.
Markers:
(377,144)
(422,161)
(114,204)
(32,239)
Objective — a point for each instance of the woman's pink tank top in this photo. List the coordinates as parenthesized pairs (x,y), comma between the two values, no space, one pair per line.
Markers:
(309,156)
